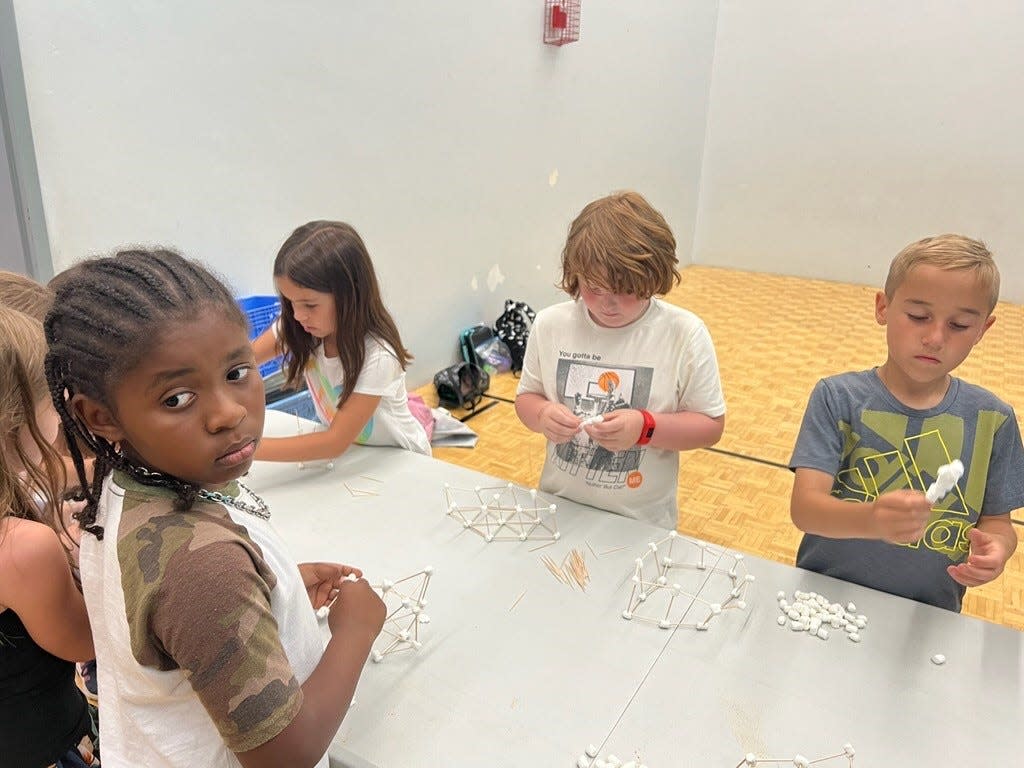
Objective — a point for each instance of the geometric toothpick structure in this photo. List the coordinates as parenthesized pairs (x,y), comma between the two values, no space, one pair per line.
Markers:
(503,512)
(800,761)
(673,577)
(405,600)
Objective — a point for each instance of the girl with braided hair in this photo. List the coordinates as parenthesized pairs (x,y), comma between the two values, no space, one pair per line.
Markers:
(338,337)
(44,718)
(208,648)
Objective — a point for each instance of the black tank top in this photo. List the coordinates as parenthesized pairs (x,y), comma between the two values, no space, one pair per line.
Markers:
(43,714)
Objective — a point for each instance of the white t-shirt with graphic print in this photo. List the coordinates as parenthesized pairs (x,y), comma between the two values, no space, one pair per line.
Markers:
(382,376)
(663,362)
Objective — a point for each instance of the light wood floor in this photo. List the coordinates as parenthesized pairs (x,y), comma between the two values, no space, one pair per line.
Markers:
(775,337)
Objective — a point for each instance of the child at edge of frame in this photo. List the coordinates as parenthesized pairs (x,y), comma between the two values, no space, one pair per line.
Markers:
(872,442)
(209,651)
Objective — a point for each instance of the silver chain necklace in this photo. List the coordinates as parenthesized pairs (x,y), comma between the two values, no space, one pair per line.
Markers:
(260,510)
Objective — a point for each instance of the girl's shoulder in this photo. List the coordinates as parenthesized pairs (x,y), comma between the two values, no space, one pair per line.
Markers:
(155,541)
(28,536)
(377,344)
(27,549)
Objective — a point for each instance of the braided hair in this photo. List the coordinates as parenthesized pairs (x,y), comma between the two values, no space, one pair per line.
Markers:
(107,314)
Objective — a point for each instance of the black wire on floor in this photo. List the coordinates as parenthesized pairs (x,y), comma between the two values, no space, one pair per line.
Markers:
(475,411)
(747,458)
(495,399)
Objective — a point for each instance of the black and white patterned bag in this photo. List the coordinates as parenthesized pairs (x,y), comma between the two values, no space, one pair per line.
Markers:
(513,328)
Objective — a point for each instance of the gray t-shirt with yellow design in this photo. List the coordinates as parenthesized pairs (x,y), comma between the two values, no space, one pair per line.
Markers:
(858,432)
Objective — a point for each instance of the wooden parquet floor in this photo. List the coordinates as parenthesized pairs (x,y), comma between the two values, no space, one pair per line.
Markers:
(775,336)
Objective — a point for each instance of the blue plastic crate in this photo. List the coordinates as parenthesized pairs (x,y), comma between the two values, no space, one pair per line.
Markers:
(300,404)
(261,311)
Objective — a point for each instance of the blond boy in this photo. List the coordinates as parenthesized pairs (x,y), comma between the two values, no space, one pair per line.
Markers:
(872,442)
(616,380)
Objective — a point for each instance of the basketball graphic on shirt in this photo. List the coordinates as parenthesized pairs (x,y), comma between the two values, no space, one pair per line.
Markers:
(591,389)
(608,381)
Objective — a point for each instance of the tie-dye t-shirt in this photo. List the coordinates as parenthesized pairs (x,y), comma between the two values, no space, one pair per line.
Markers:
(382,376)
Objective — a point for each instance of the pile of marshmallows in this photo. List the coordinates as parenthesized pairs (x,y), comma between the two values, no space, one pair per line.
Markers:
(816,614)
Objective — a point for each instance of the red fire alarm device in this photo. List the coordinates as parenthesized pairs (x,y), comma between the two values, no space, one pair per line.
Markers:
(561,21)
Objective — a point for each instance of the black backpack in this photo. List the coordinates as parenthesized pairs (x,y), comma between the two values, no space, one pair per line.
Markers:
(513,328)
(461,385)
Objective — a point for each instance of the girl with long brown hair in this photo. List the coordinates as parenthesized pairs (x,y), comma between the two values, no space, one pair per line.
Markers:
(44,717)
(337,335)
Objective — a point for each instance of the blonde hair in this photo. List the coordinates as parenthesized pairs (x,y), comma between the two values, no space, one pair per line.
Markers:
(622,244)
(25,295)
(953,252)
(22,388)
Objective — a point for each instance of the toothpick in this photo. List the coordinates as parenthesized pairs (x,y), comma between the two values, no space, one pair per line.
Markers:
(360,491)
(591,550)
(578,565)
(555,570)
(374,479)
(548,544)
(512,607)
(615,549)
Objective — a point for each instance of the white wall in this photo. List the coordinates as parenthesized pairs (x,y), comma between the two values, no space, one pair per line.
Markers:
(432,127)
(839,131)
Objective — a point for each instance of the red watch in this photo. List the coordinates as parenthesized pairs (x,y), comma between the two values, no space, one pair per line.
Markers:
(648,431)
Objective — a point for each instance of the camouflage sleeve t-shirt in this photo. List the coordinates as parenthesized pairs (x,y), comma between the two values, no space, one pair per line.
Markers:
(855,430)
(201,644)
(197,595)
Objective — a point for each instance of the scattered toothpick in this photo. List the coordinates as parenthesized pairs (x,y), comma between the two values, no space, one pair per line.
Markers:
(614,549)
(578,568)
(512,607)
(573,568)
(552,566)
(360,491)
(547,544)
(591,549)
